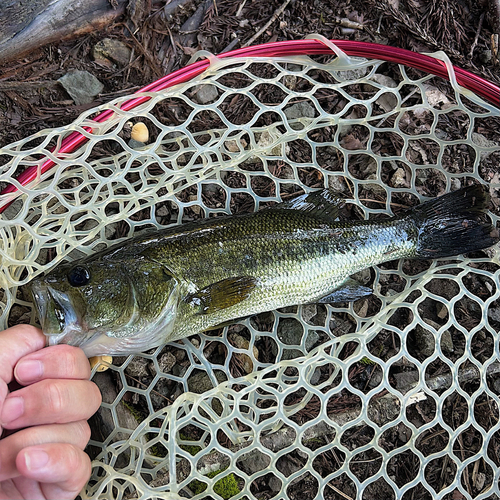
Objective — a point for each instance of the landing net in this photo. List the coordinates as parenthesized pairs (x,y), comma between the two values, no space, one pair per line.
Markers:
(393,396)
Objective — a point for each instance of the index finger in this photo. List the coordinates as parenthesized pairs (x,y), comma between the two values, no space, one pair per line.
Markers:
(15,343)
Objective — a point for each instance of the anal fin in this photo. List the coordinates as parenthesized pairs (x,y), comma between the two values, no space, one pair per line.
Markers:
(349,291)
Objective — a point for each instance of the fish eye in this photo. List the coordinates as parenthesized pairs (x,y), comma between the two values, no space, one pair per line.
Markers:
(79,276)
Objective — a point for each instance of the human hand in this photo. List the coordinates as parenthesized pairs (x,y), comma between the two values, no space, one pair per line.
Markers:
(45,459)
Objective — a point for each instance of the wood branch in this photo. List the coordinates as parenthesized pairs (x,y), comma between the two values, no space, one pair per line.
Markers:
(26,26)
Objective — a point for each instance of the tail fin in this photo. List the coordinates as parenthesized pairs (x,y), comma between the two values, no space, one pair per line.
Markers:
(453,224)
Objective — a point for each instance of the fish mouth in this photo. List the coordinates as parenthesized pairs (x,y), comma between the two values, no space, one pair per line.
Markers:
(56,314)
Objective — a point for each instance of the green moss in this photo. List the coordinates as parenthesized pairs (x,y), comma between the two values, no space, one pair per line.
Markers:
(367,361)
(134,412)
(226,486)
(191,449)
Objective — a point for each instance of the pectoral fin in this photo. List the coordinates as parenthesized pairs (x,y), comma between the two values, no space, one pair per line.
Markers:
(223,294)
(349,291)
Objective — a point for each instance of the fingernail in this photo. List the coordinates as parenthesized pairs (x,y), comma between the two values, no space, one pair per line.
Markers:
(12,408)
(35,459)
(29,370)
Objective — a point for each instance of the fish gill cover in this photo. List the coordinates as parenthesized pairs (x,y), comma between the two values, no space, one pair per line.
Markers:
(392,396)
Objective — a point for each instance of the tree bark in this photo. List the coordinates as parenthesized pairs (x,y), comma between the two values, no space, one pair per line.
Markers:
(26,25)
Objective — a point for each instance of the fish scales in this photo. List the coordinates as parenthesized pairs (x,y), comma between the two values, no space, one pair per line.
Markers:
(295,257)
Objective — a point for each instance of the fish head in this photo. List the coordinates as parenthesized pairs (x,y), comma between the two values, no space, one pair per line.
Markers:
(107,308)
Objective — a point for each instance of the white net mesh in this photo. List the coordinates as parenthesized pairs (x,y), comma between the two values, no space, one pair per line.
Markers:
(393,396)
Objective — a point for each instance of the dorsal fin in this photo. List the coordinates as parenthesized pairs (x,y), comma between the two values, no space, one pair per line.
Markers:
(322,204)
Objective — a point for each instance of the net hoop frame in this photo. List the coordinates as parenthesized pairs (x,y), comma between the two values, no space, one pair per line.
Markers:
(310,47)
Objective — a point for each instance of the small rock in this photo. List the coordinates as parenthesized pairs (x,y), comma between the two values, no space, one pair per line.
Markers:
(494,314)
(108,49)
(138,367)
(425,341)
(312,339)
(300,110)
(136,144)
(180,355)
(309,311)
(274,484)
(162,211)
(485,57)
(455,184)
(447,342)
(351,74)
(265,141)
(480,480)
(253,462)
(235,146)
(376,379)
(12,211)
(387,101)
(398,179)
(140,133)
(315,376)
(290,331)
(442,311)
(166,362)
(362,276)
(406,380)
(336,183)
(82,86)
(161,393)
(205,94)
(483,142)
(435,97)
(199,382)
(110,230)
(290,82)
(195,208)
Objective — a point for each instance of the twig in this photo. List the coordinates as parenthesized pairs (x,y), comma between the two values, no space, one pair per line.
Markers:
(240,8)
(474,43)
(231,46)
(341,493)
(27,85)
(276,14)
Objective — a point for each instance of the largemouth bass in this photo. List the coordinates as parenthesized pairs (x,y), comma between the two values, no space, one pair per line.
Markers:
(170,284)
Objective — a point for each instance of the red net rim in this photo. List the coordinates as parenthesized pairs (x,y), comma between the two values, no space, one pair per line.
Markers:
(480,86)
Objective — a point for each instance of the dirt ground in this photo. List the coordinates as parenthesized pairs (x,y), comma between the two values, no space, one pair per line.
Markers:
(155,33)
